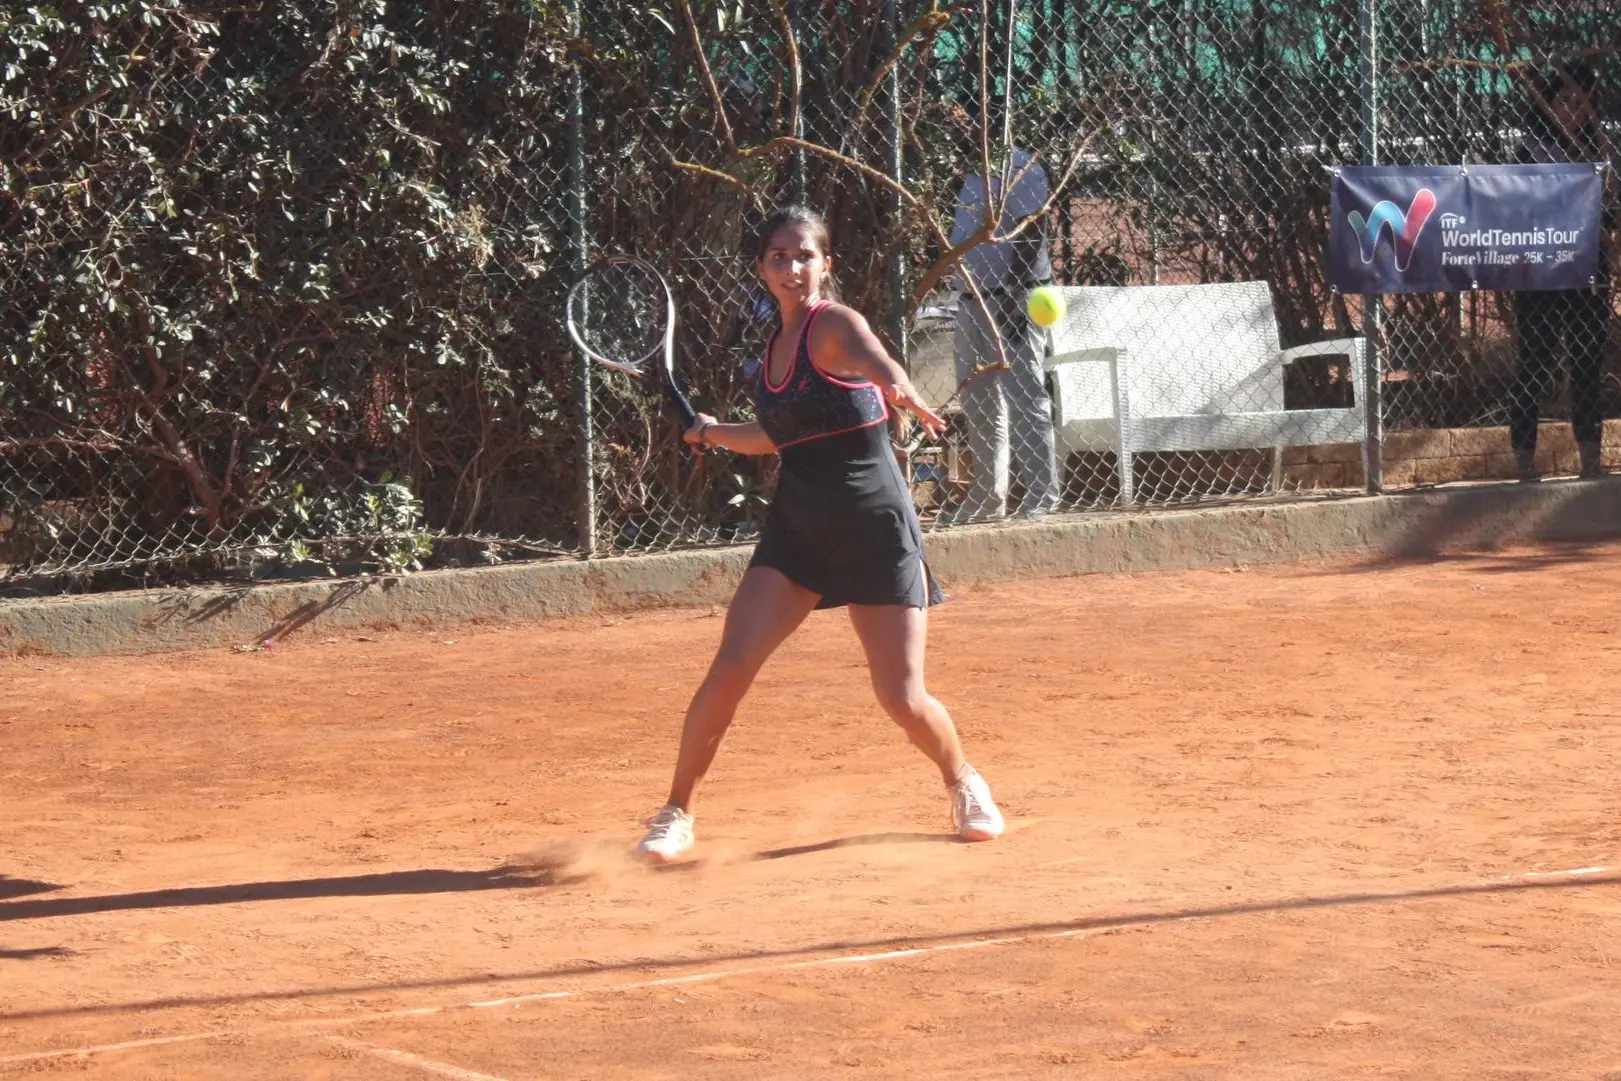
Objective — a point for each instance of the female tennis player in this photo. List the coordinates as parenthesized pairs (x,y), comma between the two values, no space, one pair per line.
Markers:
(841,530)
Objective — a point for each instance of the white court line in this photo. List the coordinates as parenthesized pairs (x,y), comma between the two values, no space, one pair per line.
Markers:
(1558,874)
(405,1058)
(640,985)
(127,1045)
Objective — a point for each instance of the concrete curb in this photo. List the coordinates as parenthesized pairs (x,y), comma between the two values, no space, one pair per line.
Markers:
(1461,518)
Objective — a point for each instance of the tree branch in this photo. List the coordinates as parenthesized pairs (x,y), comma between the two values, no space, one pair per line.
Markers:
(796,72)
(992,202)
(716,174)
(927,24)
(98,444)
(709,75)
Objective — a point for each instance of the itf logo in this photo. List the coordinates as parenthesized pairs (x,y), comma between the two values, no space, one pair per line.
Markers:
(1404,228)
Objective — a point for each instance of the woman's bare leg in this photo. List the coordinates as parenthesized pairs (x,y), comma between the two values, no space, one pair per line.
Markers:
(765,610)
(894,637)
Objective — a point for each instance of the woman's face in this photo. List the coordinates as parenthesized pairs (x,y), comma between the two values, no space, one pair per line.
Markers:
(793,265)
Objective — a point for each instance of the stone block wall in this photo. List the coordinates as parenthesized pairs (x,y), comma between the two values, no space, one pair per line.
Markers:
(1421,456)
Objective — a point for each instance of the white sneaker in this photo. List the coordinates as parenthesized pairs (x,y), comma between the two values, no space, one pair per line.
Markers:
(972,809)
(669,835)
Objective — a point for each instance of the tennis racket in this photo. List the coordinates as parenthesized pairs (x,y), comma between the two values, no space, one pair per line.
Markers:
(621,314)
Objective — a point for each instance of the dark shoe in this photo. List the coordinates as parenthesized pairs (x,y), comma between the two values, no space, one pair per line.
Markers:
(1525,466)
(1592,460)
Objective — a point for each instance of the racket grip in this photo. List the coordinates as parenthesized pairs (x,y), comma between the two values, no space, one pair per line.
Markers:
(679,403)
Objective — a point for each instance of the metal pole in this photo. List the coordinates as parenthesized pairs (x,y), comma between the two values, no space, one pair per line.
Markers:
(1373,442)
(896,268)
(586,503)
(1064,79)
(1156,86)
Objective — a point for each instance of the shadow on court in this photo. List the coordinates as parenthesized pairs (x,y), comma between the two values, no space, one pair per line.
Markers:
(33,954)
(645,965)
(1567,522)
(1545,557)
(23,887)
(392,883)
(863,839)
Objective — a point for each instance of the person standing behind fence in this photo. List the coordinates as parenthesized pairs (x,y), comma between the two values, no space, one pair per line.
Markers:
(1562,126)
(1007,412)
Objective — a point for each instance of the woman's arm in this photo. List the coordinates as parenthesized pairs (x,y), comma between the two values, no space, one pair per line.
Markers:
(842,344)
(746,437)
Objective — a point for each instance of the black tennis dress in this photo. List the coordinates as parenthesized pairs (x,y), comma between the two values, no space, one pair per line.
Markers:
(842,522)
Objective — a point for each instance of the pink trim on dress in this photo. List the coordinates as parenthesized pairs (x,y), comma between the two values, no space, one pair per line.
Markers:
(842,431)
(863,381)
(802,345)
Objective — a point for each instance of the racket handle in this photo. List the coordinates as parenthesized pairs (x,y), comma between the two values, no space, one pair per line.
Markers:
(679,402)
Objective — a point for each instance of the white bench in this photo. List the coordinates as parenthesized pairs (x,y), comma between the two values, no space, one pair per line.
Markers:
(1184,368)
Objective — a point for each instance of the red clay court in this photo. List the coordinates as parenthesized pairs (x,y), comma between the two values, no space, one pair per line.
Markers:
(1314,822)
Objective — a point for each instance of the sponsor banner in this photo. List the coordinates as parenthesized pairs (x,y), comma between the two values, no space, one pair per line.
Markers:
(1450,228)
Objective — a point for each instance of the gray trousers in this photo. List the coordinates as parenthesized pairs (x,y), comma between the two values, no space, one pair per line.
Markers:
(1007,414)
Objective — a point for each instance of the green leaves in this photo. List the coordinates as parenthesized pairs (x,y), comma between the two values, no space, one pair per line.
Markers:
(308,238)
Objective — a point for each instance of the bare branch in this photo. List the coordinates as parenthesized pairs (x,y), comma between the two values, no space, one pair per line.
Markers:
(1007,100)
(100,443)
(992,203)
(1444,63)
(782,141)
(925,25)
(716,174)
(709,75)
(796,74)
(1056,190)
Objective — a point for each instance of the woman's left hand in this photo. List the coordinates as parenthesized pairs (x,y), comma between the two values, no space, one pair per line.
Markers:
(905,396)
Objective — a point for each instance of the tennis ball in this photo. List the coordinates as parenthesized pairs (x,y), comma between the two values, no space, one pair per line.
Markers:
(1045,306)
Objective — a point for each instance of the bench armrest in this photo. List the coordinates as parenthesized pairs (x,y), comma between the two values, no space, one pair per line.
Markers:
(1351,347)
(1104,355)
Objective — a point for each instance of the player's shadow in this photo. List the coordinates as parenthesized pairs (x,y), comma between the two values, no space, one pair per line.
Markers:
(23,887)
(391,883)
(33,954)
(859,841)
(829,949)
(433,880)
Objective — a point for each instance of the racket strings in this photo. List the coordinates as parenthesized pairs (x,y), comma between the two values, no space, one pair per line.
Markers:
(618,314)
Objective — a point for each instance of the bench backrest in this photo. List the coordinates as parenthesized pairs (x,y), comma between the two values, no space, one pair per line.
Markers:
(1192,349)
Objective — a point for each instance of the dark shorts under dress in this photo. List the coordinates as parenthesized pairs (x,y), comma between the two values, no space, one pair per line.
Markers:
(842,523)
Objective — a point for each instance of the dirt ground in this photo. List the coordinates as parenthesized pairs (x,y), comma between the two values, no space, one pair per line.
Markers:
(1303,823)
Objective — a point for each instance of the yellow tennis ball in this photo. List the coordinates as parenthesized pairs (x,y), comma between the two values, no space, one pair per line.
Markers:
(1045,306)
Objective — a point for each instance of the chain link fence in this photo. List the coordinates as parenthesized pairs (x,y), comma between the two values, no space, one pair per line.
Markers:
(1468,375)
(283,288)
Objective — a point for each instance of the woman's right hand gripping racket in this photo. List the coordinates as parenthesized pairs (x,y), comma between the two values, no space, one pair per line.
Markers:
(621,314)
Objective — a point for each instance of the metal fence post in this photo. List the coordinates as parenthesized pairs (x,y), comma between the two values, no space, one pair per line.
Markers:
(895,265)
(579,256)
(1373,441)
